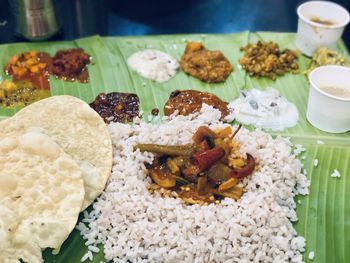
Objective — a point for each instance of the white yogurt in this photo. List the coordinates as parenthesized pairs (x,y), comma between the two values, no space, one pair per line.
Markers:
(153,64)
(265,109)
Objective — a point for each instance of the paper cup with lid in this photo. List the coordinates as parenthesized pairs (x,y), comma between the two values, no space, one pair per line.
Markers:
(328,106)
(321,23)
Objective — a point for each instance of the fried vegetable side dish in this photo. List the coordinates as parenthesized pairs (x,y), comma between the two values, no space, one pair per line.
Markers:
(116,106)
(206,65)
(205,171)
(267,60)
(190,101)
(30,66)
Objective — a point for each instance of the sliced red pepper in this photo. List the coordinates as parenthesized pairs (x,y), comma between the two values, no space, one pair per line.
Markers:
(246,170)
(206,159)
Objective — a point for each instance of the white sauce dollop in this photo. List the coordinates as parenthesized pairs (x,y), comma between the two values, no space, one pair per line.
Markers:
(265,109)
(153,64)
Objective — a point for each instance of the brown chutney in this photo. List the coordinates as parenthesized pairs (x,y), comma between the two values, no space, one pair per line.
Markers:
(190,101)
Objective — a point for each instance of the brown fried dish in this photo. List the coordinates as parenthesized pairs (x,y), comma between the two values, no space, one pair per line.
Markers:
(71,64)
(205,171)
(267,60)
(206,65)
(116,106)
(190,101)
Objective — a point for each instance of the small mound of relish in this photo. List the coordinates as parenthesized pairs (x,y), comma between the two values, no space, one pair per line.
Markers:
(117,106)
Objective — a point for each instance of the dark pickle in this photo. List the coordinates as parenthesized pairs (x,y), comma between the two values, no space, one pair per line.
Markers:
(117,106)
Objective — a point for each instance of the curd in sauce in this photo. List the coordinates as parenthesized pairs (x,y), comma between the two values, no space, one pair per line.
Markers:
(265,109)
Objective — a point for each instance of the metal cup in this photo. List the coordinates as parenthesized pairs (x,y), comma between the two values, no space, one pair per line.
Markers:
(35,20)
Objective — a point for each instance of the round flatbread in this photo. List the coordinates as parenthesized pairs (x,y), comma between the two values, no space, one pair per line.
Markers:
(78,129)
(41,195)
(27,252)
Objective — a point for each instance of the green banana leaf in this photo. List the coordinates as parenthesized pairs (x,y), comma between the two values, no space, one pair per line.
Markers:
(324,215)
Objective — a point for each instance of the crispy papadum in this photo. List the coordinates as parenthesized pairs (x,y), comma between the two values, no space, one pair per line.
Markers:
(41,195)
(78,129)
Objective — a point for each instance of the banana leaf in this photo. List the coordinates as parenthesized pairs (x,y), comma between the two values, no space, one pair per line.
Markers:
(324,215)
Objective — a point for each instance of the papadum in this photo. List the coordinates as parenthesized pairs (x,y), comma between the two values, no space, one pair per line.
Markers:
(78,129)
(41,195)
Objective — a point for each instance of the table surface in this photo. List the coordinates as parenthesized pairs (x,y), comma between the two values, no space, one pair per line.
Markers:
(138,17)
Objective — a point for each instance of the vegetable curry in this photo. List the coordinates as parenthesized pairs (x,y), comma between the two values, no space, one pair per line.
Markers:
(205,171)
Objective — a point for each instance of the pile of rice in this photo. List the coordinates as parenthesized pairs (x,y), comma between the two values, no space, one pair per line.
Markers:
(136,226)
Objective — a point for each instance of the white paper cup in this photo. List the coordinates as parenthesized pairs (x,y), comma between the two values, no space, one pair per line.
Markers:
(312,35)
(326,111)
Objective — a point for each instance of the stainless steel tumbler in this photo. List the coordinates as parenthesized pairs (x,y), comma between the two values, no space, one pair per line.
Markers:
(35,19)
